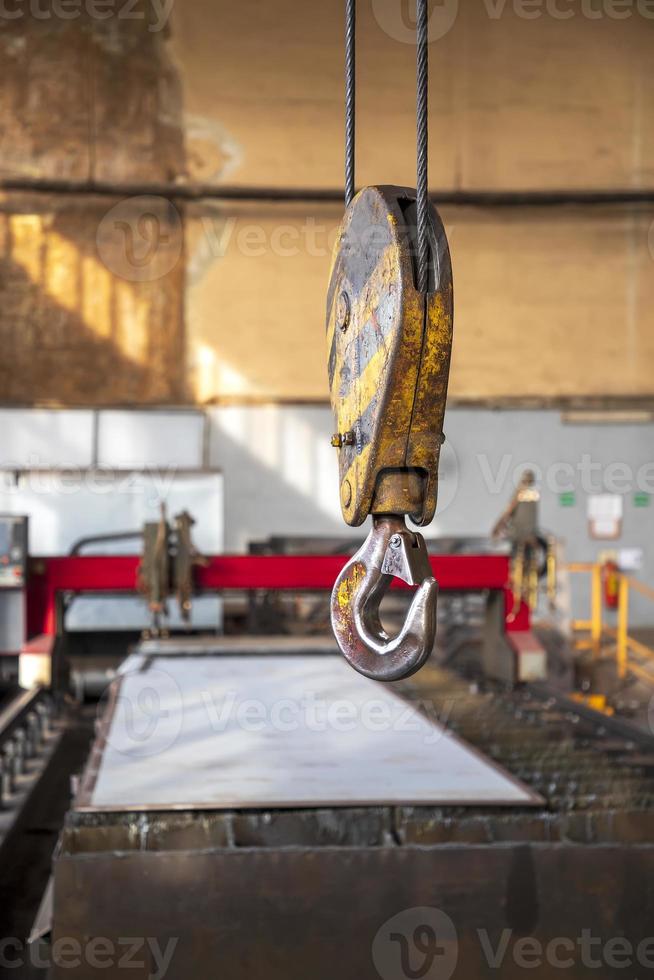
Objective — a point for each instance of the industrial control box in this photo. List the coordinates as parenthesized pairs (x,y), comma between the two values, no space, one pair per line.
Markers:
(13,575)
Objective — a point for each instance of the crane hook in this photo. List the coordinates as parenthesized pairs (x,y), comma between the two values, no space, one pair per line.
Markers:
(389,551)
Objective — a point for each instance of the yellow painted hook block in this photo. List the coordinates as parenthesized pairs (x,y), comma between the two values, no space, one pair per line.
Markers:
(389,355)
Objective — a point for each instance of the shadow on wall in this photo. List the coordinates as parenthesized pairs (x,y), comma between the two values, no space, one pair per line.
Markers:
(281,473)
(75,329)
(92,288)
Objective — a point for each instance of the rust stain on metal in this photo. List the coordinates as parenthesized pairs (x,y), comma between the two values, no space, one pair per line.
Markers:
(349,586)
(389,370)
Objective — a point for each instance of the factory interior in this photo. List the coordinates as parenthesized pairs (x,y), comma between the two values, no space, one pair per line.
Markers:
(326,489)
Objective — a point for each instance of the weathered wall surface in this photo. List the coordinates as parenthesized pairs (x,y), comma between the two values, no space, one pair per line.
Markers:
(91,307)
(77,325)
(207,301)
(534,96)
(548,302)
(92,96)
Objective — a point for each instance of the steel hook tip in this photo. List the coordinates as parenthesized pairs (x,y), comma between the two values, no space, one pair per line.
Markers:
(390,550)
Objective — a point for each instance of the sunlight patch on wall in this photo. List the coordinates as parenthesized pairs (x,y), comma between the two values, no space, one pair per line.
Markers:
(210,373)
(80,284)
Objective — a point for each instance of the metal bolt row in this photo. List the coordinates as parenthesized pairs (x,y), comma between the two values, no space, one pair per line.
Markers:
(23,744)
(343,439)
(343,321)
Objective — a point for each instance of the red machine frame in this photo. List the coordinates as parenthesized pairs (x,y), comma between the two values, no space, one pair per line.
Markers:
(118,573)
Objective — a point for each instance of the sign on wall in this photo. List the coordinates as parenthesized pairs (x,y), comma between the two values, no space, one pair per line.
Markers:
(605,516)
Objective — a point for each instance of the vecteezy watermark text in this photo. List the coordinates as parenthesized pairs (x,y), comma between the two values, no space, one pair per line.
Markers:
(589,475)
(140,239)
(96,953)
(397,17)
(422,943)
(151,482)
(565,952)
(149,714)
(155,13)
(317,714)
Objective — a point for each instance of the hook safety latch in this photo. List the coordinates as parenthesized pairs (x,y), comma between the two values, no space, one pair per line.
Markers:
(390,550)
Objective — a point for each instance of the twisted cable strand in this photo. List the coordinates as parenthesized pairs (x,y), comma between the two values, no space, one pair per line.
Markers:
(350,94)
(422,99)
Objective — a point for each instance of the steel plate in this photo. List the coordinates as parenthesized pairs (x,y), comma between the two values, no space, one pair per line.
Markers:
(285,731)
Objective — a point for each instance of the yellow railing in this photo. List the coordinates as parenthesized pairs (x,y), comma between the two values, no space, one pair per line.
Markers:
(605,640)
(594,625)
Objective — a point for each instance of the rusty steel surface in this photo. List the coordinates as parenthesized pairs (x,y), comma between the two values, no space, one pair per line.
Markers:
(167,566)
(387,552)
(388,357)
(359,913)
(267,894)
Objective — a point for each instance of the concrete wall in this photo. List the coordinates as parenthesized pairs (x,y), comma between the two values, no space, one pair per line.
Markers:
(116,291)
(522,96)
(550,303)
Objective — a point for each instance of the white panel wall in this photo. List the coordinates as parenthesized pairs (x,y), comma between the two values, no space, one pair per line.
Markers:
(42,438)
(65,507)
(82,473)
(281,474)
(138,440)
(281,477)
(55,439)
